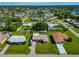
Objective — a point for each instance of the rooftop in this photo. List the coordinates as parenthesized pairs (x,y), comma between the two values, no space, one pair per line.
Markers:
(59,37)
(40,37)
(16,39)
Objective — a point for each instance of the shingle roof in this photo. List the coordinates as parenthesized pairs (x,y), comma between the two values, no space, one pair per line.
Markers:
(40,37)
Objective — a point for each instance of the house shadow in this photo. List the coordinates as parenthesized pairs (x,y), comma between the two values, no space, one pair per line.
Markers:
(52,40)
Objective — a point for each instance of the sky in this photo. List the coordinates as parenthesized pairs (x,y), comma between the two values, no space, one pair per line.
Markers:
(37,3)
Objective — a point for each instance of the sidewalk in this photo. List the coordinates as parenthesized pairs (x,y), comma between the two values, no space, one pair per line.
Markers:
(61,49)
(4,49)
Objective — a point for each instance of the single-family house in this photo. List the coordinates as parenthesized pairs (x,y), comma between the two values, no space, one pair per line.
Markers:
(40,37)
(16,40)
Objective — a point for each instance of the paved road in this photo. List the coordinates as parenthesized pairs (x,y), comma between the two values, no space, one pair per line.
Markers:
(24,55)
(76,34)
(4,49)
(61,49)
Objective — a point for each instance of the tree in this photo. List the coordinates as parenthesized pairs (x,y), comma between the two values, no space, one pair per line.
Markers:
(11,23)
(40,26)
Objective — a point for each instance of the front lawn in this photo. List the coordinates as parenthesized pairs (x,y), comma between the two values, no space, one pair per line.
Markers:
(19,49)
(46,48)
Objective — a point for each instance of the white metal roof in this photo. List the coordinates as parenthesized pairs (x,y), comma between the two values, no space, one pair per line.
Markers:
(52,25)
(17,39)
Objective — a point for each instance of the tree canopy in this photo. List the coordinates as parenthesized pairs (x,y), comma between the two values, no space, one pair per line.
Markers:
(40,26)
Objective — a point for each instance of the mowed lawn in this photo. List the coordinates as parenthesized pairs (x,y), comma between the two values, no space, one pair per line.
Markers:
(4,43)
(27,20)
(72,47)
(47,48)
(25,28)
(19,49)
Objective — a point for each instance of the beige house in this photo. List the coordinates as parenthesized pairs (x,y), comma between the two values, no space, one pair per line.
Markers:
(40,37)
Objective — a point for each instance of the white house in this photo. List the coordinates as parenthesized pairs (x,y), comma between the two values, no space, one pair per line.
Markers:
(50,26)
(27,24)
(16,39)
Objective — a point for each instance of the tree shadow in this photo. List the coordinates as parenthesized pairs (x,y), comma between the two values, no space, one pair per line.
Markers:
(52,40)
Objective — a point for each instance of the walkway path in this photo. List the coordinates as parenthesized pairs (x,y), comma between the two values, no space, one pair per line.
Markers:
(76,34)
(24,19)
(22,22)
(32,47)
(61,49)
(4,49)
(19,28)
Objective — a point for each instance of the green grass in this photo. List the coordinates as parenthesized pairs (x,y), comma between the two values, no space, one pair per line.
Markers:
(76,29)
(47,48)
(72,47)
(4,43)
(73,27)
(25,28)
(27,20)
(19,49)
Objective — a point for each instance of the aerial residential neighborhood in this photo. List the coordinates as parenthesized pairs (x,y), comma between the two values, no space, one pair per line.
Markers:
(39,30)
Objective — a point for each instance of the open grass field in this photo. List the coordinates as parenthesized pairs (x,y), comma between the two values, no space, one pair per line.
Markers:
(19,49)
